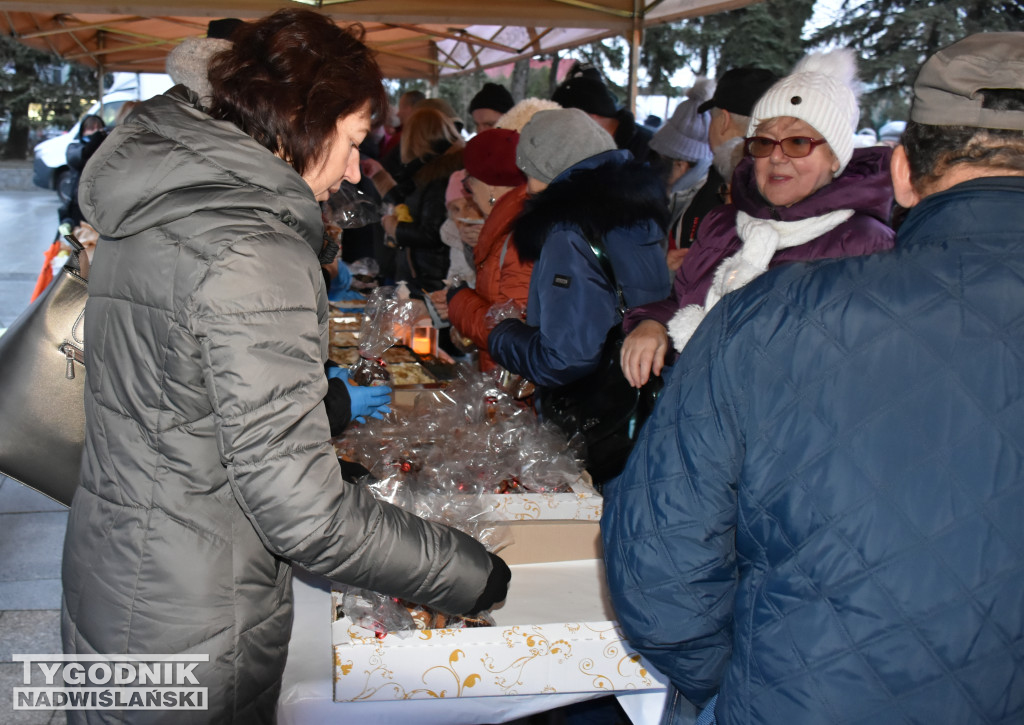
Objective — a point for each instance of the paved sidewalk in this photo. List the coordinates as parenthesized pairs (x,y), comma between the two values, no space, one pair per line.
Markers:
(31,525)
(28,226)
(31,543)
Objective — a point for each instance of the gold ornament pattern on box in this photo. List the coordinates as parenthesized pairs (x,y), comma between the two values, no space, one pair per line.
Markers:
(584,503)
(511,660)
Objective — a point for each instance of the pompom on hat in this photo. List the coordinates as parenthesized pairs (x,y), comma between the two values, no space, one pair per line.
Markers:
(556,140)
(491,157)
(685,135)
(822,91)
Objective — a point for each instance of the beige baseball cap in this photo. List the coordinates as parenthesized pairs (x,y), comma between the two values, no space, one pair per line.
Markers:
(946,92)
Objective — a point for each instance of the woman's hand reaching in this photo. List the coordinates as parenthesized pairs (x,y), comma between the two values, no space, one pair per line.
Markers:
(366,401)
(643,352)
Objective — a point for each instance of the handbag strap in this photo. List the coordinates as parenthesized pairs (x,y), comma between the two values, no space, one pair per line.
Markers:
(606,267)
(75,260)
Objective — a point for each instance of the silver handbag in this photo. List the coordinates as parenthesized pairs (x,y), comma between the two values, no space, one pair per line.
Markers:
(42,387)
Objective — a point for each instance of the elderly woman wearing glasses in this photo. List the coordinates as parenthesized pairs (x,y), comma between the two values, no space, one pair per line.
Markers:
(802,193)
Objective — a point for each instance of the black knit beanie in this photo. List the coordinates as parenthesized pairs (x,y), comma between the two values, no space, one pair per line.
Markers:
(587,93)
(493,96)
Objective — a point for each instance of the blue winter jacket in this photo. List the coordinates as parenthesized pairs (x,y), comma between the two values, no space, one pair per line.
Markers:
(571,304)
(822,520)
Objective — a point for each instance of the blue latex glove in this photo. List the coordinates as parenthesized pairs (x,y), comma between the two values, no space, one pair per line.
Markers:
(341,285)
(336,371)
(365,400)
(369,401)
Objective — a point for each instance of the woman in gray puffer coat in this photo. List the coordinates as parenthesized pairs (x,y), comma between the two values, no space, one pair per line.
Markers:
(207,469)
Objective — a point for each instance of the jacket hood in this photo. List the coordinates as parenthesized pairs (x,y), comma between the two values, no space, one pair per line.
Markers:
(598,194)
(864,186)
(171,161)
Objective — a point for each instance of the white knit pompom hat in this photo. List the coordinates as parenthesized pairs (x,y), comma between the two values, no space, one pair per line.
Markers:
(822,91)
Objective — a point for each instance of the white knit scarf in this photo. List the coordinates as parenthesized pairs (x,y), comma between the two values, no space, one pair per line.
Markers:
(761,238)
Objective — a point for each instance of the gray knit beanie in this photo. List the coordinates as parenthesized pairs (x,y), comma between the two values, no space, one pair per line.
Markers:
(685,135)
(188,63)
(559,138)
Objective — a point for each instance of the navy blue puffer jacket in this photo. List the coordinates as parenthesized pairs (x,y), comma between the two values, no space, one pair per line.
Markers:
(822,519)
(609,198)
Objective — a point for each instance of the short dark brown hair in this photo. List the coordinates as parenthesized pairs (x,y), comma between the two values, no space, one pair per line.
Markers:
(289,77)
(933,150)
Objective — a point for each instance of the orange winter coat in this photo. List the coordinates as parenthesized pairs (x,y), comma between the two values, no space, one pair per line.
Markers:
(500,275)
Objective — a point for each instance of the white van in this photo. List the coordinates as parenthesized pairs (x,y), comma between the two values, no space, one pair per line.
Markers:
(50,169)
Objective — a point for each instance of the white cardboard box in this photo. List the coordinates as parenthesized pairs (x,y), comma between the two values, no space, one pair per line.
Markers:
(554,634)
(584,503)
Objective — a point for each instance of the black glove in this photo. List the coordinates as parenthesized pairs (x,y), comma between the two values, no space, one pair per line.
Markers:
(496,587)
(452,291)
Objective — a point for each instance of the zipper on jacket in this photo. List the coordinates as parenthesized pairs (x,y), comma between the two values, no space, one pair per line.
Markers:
(72,355)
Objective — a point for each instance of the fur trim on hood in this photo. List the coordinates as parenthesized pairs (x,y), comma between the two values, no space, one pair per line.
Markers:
(596,199)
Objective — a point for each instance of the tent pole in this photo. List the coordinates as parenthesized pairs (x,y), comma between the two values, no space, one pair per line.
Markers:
(101,42)
(99,86)
(636,39)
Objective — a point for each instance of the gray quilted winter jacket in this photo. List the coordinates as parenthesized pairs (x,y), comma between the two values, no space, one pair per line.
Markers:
(207,468)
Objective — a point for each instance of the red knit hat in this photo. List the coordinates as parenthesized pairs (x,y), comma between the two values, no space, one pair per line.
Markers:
(491,157)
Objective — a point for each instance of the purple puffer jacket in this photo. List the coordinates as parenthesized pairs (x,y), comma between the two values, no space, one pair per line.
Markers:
(864,186)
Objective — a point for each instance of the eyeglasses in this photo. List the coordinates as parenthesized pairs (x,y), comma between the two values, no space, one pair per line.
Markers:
(795,147)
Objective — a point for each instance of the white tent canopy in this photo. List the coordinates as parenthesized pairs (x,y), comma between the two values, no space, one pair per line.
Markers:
(468,34)
(413,38)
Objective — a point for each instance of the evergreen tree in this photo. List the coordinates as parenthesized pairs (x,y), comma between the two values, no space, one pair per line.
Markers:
(894,37)
(31,77)
(767,34)
(669,48)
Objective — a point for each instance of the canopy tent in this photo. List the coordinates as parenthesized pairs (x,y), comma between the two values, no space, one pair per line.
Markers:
(414,38)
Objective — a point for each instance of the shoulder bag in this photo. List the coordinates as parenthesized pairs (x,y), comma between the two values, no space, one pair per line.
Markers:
(603,408)
(42,387)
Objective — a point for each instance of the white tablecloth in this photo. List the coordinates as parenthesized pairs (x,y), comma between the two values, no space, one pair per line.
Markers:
(307,694)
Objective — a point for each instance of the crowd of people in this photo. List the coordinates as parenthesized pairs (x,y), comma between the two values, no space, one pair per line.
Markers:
(820,521)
